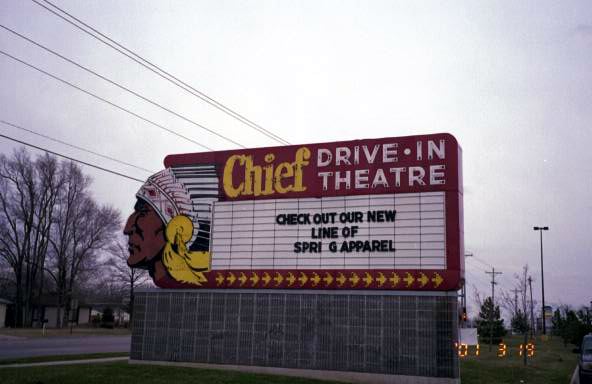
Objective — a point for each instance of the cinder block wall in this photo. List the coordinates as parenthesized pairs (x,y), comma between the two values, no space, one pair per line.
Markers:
(392,333)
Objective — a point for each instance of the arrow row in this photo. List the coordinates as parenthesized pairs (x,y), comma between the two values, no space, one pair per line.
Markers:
(276,279)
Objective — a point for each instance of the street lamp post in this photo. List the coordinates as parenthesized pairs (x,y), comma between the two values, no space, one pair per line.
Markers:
(541,229)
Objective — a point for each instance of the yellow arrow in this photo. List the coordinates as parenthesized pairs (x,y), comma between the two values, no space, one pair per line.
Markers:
(340,279)
(302,279)
(328,279)
(278,279)
(231,278)
(316,279)
(437,279)
(254,278)
(381,279)
(368,279)
(290,279)
(266,278)
(394,279)
(354,279)
(242,278)
(409,279)
(219,279)
(423,279)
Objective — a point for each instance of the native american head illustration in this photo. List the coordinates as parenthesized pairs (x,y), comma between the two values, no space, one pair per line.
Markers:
(169,230)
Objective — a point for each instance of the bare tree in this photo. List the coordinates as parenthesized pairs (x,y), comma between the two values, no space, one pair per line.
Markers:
(518,305)
(477,296)
(83,229)
(516,301)
(71,197)
(93,233)
(128,278)
(28,190)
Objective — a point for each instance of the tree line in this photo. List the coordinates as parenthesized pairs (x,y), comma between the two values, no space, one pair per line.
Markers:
(55,237)
(570,324)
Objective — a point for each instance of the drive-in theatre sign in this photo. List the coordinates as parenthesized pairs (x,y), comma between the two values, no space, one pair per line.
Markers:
(364,214)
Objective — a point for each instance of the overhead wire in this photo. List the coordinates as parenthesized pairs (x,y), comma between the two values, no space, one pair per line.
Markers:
(158,70)
(71,158)
(476,266)
(88,70)
(76,146)
(480,261)
(105,100)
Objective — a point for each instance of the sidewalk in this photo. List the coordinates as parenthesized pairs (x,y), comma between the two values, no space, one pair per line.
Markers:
(67,362)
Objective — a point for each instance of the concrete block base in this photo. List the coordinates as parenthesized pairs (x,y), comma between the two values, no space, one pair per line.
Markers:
(360,337)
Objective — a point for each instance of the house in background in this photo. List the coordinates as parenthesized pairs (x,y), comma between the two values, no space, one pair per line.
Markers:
(3,309)
(121,315)
(47,309)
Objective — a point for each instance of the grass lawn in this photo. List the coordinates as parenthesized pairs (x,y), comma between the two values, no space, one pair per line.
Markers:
(53,332)
(41,359)
(121,372)
(552,363)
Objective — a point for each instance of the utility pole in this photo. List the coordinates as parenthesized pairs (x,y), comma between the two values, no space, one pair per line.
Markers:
(541,229)
(531,308)
(493,273)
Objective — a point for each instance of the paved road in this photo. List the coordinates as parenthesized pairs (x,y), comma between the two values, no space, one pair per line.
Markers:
(25,347)
(574,378)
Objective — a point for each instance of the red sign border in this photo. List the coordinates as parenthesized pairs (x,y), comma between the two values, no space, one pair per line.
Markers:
(452,276)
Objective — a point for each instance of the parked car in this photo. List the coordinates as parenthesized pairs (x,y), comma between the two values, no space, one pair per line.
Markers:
(585,360)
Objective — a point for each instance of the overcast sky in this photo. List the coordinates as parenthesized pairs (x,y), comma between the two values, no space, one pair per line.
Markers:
(512,81)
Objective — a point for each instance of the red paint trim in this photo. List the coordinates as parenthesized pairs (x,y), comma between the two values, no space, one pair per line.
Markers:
(332,279)
(313,181)
(453,205)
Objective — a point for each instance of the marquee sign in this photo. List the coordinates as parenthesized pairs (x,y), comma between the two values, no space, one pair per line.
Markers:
(364,214)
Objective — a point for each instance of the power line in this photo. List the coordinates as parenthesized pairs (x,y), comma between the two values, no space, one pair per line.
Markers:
(76,147)
(159,71)
(71,158)
(481,261)
(88,70)
(104,100)
(476,267)
(477,278)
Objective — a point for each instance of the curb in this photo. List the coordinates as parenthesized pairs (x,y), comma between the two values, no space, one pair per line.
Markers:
(66,362)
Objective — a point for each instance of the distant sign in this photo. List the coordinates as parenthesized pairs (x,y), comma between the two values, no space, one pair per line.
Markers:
(365,214)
